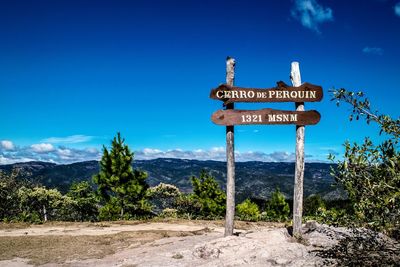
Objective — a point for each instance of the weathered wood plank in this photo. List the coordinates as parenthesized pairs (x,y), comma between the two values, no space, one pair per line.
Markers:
(230,157)
(299,165)
(265,116)
(282,93)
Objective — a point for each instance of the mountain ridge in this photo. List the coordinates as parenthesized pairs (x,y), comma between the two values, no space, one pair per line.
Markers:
(255,179)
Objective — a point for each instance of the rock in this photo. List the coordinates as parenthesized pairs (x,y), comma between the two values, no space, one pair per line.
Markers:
(312,225)
(205,252)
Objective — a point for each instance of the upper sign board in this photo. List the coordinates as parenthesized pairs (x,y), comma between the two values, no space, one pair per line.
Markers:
(282,93)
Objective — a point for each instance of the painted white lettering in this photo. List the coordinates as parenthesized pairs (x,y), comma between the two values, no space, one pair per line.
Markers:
(271,94)
(285,94)
(271,117)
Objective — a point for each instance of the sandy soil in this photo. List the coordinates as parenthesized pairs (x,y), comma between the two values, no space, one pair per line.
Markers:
(177,243)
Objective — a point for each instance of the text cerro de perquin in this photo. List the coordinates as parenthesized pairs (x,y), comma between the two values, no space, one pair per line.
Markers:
(243,94)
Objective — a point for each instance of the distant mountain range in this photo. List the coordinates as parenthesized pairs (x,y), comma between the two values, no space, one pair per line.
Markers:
(253,179)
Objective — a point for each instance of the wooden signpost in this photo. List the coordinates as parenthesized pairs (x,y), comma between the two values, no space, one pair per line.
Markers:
(298,93)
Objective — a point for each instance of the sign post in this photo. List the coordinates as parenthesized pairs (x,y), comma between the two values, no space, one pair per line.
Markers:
(299,168)
(298,93)
(230,157)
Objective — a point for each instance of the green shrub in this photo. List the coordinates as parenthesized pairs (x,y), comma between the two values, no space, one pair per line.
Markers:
(169,213)
(370,173)
(312,204)
(248,211)
(163,196)
(211,197)
(110,211)
(277,208)
(83,202)
(188,206)
(334,217)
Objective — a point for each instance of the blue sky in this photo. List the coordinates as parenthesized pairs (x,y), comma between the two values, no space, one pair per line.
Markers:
(73,73)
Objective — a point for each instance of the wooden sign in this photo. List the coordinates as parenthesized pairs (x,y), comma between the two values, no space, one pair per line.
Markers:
(282,93)
(265,116)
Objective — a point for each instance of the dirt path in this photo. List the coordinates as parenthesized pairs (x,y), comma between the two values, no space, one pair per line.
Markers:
(97,229)
(179,243)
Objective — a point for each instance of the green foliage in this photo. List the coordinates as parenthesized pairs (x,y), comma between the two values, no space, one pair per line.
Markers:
(163,196)
(371,173)
(362,108)
(248,211)
(169,213)
(119,184)
(9,202)
(277,207)
(333,216)
(43,203)
(211,197)
(188,206)
(84,203)
(313,204)
(111,211)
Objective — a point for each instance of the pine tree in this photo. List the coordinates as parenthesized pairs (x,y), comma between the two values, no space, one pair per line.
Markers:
(208,192)
(119,185)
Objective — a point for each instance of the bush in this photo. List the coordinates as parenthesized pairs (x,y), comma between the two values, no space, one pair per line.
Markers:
(49,204)
(163,196)
(211,197)
(169,213)
(83,202)
(248,211)
(110,211)
(313,204)
(334,217)
(370,173)
(277,208)
(188,206)
(9,200)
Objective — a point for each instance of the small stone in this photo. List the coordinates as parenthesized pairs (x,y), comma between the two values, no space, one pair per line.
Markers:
(311,225)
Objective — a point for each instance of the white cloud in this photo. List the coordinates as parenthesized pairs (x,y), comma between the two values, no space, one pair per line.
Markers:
(62,155)
(215,153)
(373,50)
(397,9)
(42,148)
(6,160)
(72,139)
(310,13)
(7,145)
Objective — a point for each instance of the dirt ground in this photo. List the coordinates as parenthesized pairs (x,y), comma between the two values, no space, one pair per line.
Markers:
(156,243)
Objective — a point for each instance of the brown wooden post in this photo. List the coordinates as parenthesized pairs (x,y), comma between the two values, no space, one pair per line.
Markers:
(230,157)
(299,169)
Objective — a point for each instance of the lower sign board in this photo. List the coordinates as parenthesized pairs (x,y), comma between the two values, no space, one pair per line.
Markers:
(265,116)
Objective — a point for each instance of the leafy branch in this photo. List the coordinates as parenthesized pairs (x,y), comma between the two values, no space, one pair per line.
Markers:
(362,108)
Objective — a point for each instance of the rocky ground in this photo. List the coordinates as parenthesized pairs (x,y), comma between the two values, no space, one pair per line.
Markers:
(172,243)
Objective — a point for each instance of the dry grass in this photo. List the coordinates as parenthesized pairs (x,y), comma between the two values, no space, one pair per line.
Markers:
(59,249)
(44,249)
